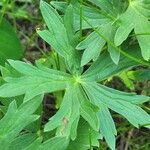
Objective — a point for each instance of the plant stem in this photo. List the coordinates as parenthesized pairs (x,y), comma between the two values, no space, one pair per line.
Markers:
(81,16)
(130,134)
(140,61)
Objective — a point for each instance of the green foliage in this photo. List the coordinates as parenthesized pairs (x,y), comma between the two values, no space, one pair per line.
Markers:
(34,81)
(138,12)
(10,47)
(57,37)
(84,115)
(16,119)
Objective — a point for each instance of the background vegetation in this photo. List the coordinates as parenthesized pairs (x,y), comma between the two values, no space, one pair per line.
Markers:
(19,22)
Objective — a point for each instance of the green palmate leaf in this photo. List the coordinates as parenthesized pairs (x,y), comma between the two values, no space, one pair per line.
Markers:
(16,119)
(93,45)
(87,110)
(120,102)
(10,47)
(74,104)
(84,110)
(138,12)
(104,67)
(86,137)
(107,29)
(120,17)
(34,81)
(53,21)
(29,69)
(57,37)
(121,22)
(62,117)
